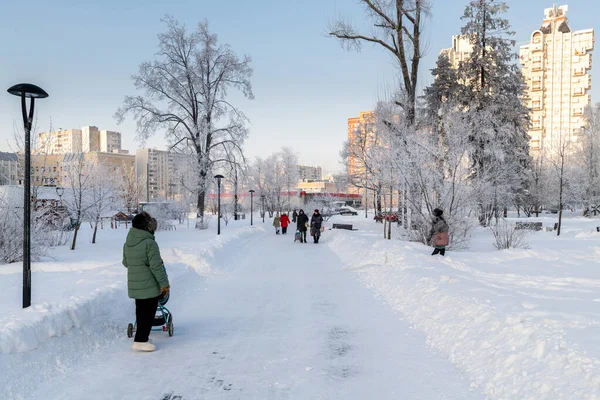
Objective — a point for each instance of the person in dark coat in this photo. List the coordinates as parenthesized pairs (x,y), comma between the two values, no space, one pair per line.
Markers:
(302,222)
(294,216)
(316,222)
(147,279)
(439,232)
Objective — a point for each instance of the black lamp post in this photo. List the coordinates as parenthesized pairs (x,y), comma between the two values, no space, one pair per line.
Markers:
(218,178)
(262,200)
(252,191)
(26,90)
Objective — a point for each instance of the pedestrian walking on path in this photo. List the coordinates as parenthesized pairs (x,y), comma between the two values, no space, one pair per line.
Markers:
(439,233)
(285,222)
(277,223)
(316,224)
(147,279)
(302,225)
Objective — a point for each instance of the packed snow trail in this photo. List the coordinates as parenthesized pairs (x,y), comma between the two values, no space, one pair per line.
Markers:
(280,321)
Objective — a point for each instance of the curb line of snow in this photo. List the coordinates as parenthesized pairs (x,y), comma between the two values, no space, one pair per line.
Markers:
(507,356)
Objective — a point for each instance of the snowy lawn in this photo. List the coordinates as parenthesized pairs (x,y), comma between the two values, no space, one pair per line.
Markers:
(523,324)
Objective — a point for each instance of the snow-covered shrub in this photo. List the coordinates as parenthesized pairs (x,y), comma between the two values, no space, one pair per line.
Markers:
(508,236)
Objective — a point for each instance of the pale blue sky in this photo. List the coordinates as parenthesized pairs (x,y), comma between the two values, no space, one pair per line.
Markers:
(306,86)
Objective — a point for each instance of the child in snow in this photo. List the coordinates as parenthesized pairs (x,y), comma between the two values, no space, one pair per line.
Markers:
(439,232)
(147,279)
(285,221)
(277,223)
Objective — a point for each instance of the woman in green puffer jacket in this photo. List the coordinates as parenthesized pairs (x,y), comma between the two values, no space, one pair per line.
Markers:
(147,279)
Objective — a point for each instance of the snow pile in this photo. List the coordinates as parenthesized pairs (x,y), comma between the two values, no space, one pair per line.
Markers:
(507,354)
(68,293)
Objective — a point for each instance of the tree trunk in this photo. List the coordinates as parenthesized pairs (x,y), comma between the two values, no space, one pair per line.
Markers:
(95,230)
(75,236)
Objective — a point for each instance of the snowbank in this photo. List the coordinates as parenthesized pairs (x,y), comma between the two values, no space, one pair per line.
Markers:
(508,353)
(88,286)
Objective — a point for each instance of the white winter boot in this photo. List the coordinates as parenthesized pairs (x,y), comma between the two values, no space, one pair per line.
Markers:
(143,346)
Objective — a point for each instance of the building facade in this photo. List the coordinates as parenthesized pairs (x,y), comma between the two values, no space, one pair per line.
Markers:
(460,51)
(309,173)
(361,131)
(61,141)
(9,169)
(163,175)
(556,65)
(87,140)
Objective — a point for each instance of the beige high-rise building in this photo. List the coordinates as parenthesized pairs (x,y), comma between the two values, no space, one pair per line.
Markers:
(90,139)
(556,66)
(110,142)
(309,173)
(60,142)
(163,175)
(87,140)
(461,50)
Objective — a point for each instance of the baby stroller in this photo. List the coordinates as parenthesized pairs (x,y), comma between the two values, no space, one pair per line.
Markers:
(163,320)
(297,237)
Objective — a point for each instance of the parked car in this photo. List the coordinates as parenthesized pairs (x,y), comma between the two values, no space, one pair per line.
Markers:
(346,210)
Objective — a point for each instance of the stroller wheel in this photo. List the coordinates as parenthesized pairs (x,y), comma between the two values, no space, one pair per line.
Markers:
(170,326)
(130,330)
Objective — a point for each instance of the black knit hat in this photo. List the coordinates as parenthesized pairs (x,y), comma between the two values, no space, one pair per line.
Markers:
(437,212)
(143,221)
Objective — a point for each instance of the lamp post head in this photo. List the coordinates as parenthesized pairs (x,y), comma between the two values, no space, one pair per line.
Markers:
(252,191)
(28,90)
(219,177)
(60,191)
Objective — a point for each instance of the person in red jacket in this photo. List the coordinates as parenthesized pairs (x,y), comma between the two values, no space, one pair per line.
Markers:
(285,221)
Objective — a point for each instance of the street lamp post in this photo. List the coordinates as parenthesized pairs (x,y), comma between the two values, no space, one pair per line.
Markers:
(218,178)
(24,91)
(252,191)
(262,200)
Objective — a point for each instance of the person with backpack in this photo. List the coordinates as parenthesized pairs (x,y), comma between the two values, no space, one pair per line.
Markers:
(285,221)
(439,233)
(302,222)
(147,279)
(316,222)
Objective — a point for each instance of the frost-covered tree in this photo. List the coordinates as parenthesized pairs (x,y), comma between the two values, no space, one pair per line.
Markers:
(129,188)
(186,93)
(588,156)
(493,92)
(398,29)
(102,191)
(79,178)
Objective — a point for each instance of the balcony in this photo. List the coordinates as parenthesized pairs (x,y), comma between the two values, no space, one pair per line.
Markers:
(577,112)
(579,72)
(536,87)
(579,92)
(536,66)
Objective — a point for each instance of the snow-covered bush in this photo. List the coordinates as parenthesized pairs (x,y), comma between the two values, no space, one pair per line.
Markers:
(508,236)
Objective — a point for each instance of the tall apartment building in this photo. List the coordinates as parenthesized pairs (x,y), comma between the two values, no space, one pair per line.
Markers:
(359,127)
(87,139)
(9,169)
(60,142)
(110,142)
(90,139)
(556,66)
(461,50)
(309,173)
(162,175)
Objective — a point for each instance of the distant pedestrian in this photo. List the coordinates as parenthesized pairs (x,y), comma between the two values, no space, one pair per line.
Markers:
(285,221)
(302,225)
(294,216)
(316,223)
(147,279)
(439,233)
(277,223)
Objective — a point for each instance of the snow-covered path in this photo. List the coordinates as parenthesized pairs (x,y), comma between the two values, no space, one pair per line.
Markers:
(281,320)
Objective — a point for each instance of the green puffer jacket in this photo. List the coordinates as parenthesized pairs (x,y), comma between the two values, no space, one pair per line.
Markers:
(146,273)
